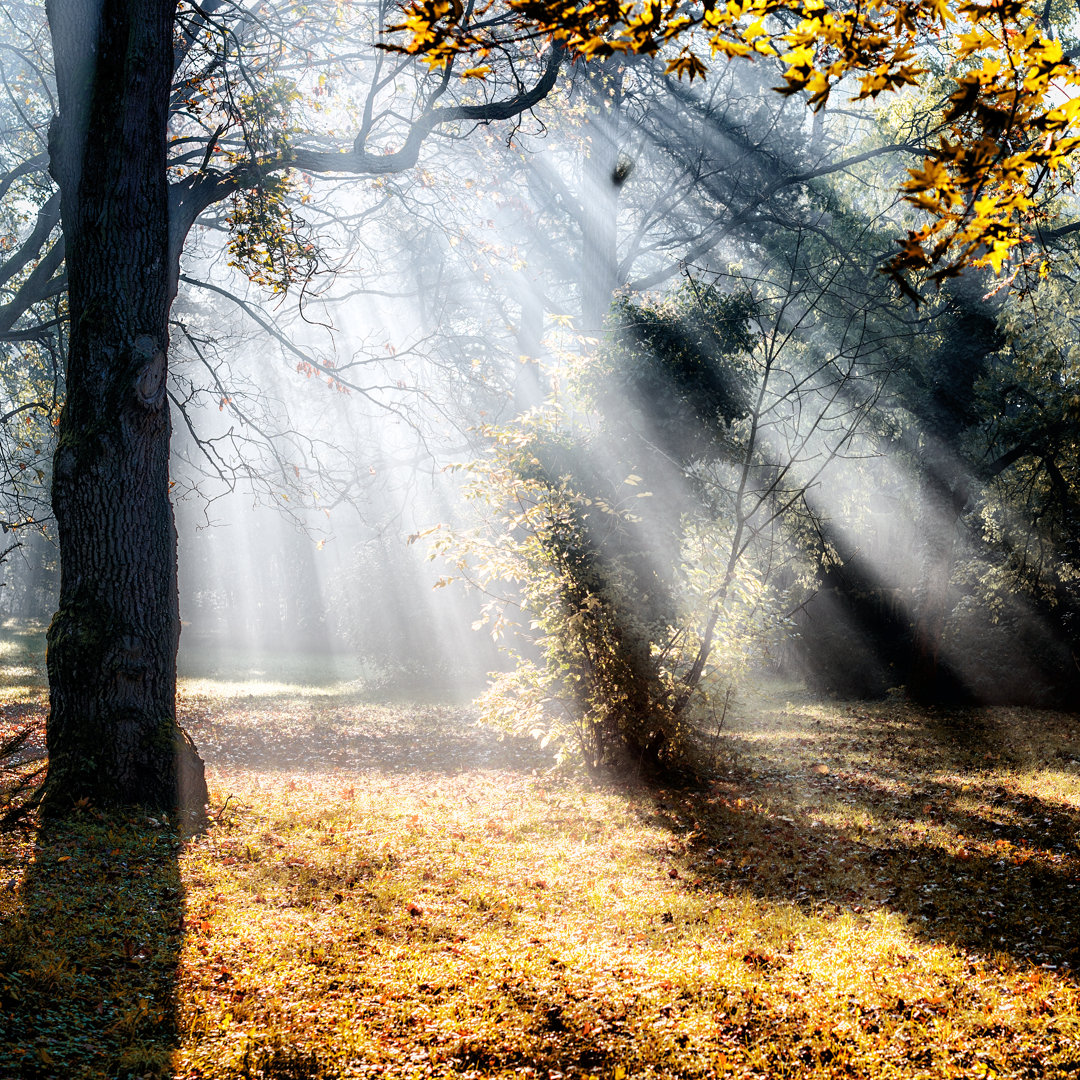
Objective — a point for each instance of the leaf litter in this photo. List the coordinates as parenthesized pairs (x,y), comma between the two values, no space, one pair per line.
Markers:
(386,890)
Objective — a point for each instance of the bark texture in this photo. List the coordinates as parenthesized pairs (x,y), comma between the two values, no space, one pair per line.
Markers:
(112,732)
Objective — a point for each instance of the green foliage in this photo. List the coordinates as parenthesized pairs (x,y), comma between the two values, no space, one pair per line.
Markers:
(677,372)
(574,544)
(1030,406)
(590,515)
(268,240)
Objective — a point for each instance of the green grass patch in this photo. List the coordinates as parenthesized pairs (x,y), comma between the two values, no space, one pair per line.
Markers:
(22,659)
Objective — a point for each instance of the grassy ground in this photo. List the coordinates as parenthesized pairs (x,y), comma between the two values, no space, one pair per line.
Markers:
(864,890)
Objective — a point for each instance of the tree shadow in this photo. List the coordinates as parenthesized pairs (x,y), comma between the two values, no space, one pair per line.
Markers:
(89,945)
(968,857)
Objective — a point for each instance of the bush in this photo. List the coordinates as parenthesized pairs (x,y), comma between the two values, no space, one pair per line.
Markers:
(591,516)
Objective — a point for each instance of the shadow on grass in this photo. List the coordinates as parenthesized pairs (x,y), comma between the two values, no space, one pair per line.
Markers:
(966,855)
(289,733)
(89,944)
(913,815)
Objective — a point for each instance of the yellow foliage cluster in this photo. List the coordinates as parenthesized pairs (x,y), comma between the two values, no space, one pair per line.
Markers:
(1005,135)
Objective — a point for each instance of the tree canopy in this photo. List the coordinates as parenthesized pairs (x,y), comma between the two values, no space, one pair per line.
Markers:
(1004,137)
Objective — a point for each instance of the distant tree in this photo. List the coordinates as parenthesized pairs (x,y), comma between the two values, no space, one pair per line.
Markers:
(644,524)
(951,571)
(588,519)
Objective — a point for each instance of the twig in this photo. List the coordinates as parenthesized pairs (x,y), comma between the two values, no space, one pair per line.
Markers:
(720,725)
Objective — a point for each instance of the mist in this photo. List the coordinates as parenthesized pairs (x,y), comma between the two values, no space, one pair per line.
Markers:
(514,562)
(841,516)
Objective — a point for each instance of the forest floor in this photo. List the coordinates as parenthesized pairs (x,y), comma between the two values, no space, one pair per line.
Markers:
(864,890)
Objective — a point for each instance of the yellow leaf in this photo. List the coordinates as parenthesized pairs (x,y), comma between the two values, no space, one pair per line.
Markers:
(754,30)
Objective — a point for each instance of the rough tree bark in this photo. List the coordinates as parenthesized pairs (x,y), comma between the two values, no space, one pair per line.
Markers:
(112,733)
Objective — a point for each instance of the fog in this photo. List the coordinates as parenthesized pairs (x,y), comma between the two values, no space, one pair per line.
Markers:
(837,516)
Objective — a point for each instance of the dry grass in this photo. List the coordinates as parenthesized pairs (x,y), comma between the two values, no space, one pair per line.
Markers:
(863,891)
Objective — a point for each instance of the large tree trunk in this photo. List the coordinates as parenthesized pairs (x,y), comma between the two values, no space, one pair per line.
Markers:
(112,732)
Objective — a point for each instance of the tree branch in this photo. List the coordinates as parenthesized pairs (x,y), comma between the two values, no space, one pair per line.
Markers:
(194,194)
(713,238)
(47,220)
(40,285)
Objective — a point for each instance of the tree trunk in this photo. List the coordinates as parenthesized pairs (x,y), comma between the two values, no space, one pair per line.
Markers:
(112,732)
(932,680)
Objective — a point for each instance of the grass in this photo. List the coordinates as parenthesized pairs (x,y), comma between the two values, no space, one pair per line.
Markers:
(864,890)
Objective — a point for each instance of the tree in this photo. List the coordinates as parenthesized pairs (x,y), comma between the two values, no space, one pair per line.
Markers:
(111,646)
(126,75)
(168,109)
(588,517)
(719,173)
(1006,132)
